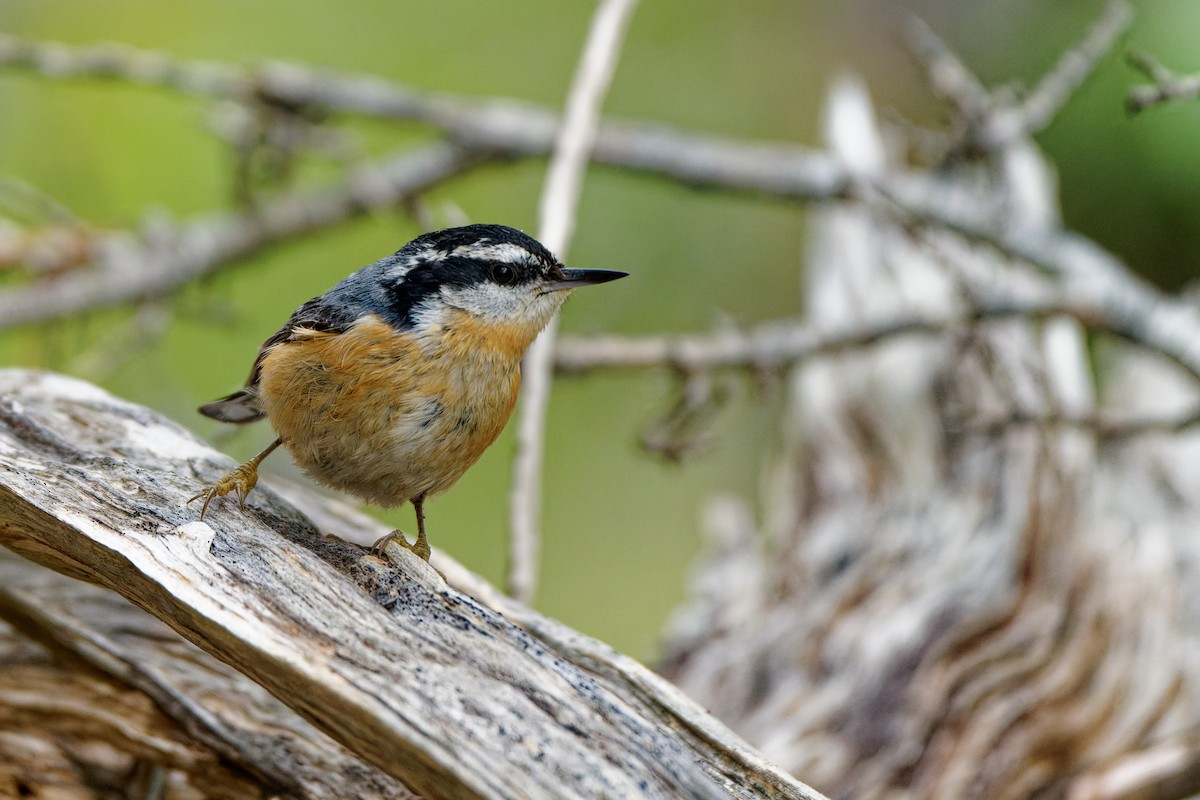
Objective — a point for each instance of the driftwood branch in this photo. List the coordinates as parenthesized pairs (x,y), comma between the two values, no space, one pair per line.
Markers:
(424,682)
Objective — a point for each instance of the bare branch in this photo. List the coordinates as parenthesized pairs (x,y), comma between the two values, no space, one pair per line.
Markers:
(126,267)
(1093,278)
(948,76)
(1166,87)
(990,123)
(124,63)
(560,199)
(774,345)
(515,129)
(1105,427)
(503,128)
(1131,307)
(1055,88)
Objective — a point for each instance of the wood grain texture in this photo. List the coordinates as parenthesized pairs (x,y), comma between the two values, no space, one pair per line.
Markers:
(422,681)
(70,732)
(215,709)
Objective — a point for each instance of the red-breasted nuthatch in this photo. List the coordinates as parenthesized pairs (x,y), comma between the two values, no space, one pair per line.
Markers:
(392,383)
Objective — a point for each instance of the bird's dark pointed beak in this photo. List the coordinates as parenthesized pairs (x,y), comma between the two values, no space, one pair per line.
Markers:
(574,278)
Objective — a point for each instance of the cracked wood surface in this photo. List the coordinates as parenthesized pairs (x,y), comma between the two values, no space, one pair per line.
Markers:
(424,682)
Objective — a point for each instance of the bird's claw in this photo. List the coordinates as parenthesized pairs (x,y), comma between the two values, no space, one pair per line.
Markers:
(241,480)
(420,547)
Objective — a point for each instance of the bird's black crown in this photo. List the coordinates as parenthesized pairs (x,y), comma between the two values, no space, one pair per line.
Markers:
(451,239)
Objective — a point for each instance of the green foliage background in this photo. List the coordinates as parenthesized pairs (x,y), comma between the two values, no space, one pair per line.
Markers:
(620,528)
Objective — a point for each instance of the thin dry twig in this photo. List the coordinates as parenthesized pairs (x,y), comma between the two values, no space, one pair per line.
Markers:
(990,122)
(1082,270)
(560,199)
(1166,85)
(1039,108)
(948,77)
(774,345)
(1105,427)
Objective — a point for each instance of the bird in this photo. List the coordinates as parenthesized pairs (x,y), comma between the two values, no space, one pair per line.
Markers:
(392,383)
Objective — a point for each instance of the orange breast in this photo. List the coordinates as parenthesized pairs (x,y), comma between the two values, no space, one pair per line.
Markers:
(388,416)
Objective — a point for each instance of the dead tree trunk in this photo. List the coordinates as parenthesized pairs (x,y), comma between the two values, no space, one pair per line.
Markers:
(970,580)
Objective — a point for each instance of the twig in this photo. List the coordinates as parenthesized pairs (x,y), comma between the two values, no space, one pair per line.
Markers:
(1166,87)
(124,63)
(516,129)
(505,128)
(23,201)
(770,346)
(774,345)
(560,198)
(990,123)
(779,344)
(1105,427)
(46,250)
(127,267)
(1055,88)
(680,432)
(948,77)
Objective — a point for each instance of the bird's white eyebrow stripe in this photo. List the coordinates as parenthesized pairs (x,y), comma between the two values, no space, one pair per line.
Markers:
(502,251)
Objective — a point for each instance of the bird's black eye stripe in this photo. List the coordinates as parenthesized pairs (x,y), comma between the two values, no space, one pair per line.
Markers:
(427,278)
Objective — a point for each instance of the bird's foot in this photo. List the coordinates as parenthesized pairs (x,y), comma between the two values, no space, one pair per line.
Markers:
(241,480)
(420,547)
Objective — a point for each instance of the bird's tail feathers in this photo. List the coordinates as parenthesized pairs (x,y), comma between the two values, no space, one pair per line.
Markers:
(240,407)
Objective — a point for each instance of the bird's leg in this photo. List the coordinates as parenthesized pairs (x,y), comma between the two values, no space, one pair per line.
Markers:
(240,480)
(420,547)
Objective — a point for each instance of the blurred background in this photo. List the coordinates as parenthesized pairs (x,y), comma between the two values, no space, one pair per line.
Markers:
(620,526)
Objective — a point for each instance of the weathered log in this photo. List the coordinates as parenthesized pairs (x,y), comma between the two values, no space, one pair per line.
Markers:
(424,682)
